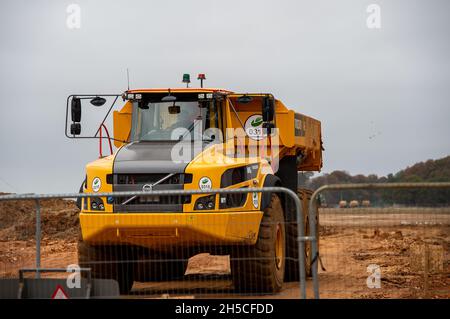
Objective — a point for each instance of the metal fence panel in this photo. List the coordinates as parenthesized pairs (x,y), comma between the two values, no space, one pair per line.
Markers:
(382,252)
(403,250)
(166,272)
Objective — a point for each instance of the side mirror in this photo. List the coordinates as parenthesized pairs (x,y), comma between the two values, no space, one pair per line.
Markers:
(76,109)
(75,129)
(98,101)
(174,109)
(268,109)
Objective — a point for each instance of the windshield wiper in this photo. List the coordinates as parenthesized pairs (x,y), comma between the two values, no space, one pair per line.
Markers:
(235,113)
(191,128)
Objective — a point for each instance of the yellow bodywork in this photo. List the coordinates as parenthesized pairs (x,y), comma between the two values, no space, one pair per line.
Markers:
(297,133)
(234,226)
(159,229)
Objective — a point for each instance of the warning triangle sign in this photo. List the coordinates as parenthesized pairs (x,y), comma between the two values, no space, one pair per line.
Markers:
(59,293)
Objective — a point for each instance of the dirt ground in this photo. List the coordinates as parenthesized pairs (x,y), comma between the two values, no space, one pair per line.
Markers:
(396,242)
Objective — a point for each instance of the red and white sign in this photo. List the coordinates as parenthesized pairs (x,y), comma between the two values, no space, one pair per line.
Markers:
(59,293)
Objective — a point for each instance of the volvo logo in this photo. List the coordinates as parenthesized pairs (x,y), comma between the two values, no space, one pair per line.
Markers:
(147,188)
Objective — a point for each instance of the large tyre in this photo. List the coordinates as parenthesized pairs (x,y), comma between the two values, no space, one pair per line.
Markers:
(107,262)
(292,270)
(78,202)
(260,268)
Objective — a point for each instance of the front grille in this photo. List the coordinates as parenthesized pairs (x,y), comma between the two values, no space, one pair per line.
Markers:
(136,182)
(154,200)
(131,179)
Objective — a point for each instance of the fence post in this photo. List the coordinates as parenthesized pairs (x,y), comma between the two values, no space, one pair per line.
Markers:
(426,270)
(314,249)
(38,238)
(300,239)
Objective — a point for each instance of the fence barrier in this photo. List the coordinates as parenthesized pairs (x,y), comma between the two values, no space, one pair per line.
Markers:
(301,238)
(313,210)
(421,254)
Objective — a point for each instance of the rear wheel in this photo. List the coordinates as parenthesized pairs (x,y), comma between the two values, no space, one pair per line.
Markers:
(260,268)
(292,263)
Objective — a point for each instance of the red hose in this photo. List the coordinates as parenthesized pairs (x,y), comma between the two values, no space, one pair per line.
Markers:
(100,142)
(101,139)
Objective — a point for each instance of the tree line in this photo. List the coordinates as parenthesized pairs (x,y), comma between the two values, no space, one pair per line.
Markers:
(428,171)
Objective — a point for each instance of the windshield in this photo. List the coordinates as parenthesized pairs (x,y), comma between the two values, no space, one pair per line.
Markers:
(173,121)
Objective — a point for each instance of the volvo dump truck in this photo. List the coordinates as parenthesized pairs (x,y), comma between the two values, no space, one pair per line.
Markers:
(195,139)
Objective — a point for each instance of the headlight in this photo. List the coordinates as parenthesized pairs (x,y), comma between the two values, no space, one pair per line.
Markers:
(97,203)
(205,203)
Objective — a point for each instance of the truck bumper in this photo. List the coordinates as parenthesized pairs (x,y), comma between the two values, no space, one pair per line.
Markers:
(156,230)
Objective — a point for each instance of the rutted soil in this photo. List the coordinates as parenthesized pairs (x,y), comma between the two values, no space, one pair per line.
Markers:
(398,252)
(59,223)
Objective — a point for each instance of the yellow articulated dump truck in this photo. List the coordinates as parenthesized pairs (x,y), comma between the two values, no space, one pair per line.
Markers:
(194,139)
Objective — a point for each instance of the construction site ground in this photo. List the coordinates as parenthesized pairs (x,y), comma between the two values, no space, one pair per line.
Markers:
(395,240)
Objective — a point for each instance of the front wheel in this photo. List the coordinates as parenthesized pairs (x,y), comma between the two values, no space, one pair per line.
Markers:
(260,268)
(106,262)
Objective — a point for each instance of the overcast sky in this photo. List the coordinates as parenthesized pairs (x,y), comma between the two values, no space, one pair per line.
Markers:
(382,94)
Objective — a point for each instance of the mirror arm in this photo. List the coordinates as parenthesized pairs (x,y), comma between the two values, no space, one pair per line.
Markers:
(106,116)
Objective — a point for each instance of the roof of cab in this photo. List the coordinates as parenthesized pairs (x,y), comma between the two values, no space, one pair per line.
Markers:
(179,90)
